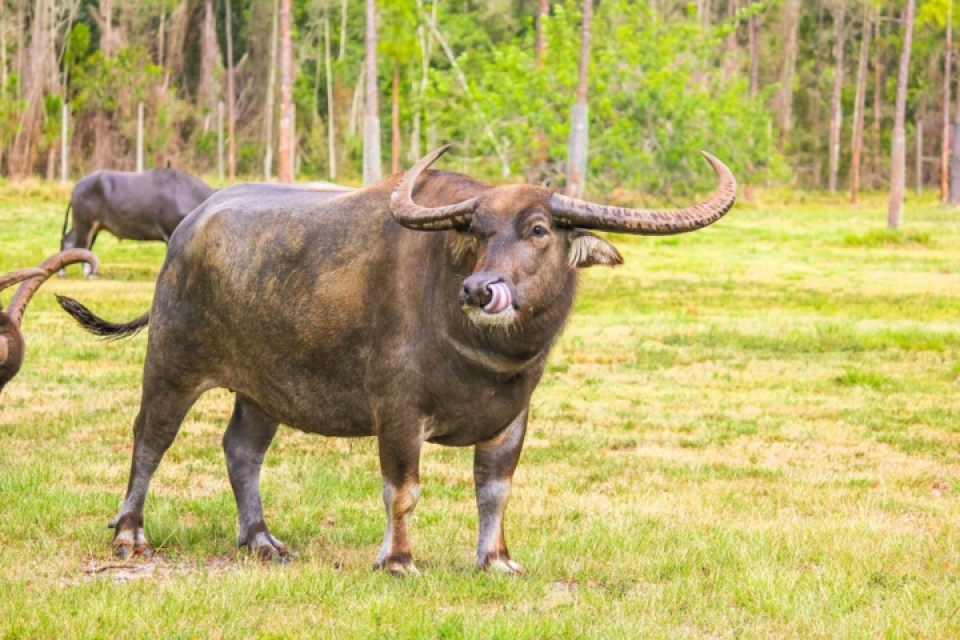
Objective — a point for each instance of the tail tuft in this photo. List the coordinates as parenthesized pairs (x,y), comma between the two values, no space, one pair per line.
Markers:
(97,325)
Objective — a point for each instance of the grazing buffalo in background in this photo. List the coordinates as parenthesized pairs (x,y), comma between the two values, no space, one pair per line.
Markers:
(11,339)
(370,315)
(131,206)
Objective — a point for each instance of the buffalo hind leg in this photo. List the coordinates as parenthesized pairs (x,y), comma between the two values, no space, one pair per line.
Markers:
(494,462)
(245,444)
(162,411)
(400,468)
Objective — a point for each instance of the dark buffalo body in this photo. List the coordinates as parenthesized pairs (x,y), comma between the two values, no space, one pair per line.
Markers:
(131,206)
(369,315)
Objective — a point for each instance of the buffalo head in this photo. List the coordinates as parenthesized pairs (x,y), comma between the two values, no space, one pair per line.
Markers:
(523,236)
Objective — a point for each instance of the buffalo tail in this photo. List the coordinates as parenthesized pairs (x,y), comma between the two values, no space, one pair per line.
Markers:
(97,325)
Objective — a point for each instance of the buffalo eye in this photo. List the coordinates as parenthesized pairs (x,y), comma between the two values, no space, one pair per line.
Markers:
(538,231)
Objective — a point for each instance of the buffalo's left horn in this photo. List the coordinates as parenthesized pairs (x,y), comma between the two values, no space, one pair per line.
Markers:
(585,215)
(49,266)
(12,278)
(413,216)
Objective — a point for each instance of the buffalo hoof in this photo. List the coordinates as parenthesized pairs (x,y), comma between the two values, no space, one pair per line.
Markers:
(130,541)
(125,550)
(399,567)
(267,548)
(504,566)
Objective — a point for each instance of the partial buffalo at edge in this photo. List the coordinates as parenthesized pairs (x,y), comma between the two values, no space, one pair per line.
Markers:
(11,338)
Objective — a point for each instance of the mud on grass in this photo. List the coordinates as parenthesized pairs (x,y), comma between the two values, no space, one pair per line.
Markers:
(751,431)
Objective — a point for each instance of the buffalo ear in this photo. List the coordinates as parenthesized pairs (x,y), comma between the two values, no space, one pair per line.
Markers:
(587,250)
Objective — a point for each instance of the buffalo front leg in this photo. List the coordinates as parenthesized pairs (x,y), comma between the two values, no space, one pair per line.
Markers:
(162,410)
(245,444)
(494,462)
(400,468)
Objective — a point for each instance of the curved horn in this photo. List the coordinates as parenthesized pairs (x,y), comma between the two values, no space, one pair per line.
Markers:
(577,213)
(49,266)
(12,278)
(413,216)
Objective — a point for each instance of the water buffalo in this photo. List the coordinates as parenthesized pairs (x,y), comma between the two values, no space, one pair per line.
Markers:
(11,339)
(370,315)
(131,206)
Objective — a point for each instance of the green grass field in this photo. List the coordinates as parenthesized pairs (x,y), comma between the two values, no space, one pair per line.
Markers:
(749,431)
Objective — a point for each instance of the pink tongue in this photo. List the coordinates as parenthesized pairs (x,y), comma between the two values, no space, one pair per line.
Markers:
(500,299)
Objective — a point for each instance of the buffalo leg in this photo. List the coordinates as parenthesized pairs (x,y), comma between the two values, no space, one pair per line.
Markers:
(69,241)
(493,465)
(400,468)
(245,443)
(161,413)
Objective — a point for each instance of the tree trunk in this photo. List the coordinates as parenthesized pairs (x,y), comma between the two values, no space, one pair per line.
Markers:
(577,160)
(945,143)
(541,42)
(269,111)
(730,43)
(878,95)
(231,100)
(788,66)
(395,120)
(541,52)
(753,28)
(331,144)
(817,103)
(343,30)
(898,152)
(955,154)
(836,108)
(208,57)
(285,148)
(371,111)
(858,107)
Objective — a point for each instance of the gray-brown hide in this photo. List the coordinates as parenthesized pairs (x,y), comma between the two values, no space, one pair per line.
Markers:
(349,319)
(11,338)
(131,206)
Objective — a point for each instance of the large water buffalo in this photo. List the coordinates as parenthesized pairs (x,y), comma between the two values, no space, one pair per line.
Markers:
(370,315)
(131,206)
(11,339)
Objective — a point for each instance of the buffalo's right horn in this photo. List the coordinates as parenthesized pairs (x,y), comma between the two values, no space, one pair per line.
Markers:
(49,266)
(413,216)
(585,215)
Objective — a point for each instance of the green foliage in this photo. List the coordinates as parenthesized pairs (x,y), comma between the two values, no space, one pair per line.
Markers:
(655,101)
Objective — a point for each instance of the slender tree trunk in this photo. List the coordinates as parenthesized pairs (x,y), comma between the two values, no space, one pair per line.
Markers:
(878,96)
(945,144)
(730,43)
(541,42)
(817,164)
(836,108)
(858,108)
(331,133)
(395,120)
(541,52)
(208,57)
(343,30)
(753,28)
(788,66)
(371,111)
(955,154)
(269,111)
(577,160)
(898,152)
(285,148)
(231,101)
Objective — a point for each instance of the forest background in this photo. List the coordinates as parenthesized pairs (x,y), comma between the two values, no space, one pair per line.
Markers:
(786,92)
